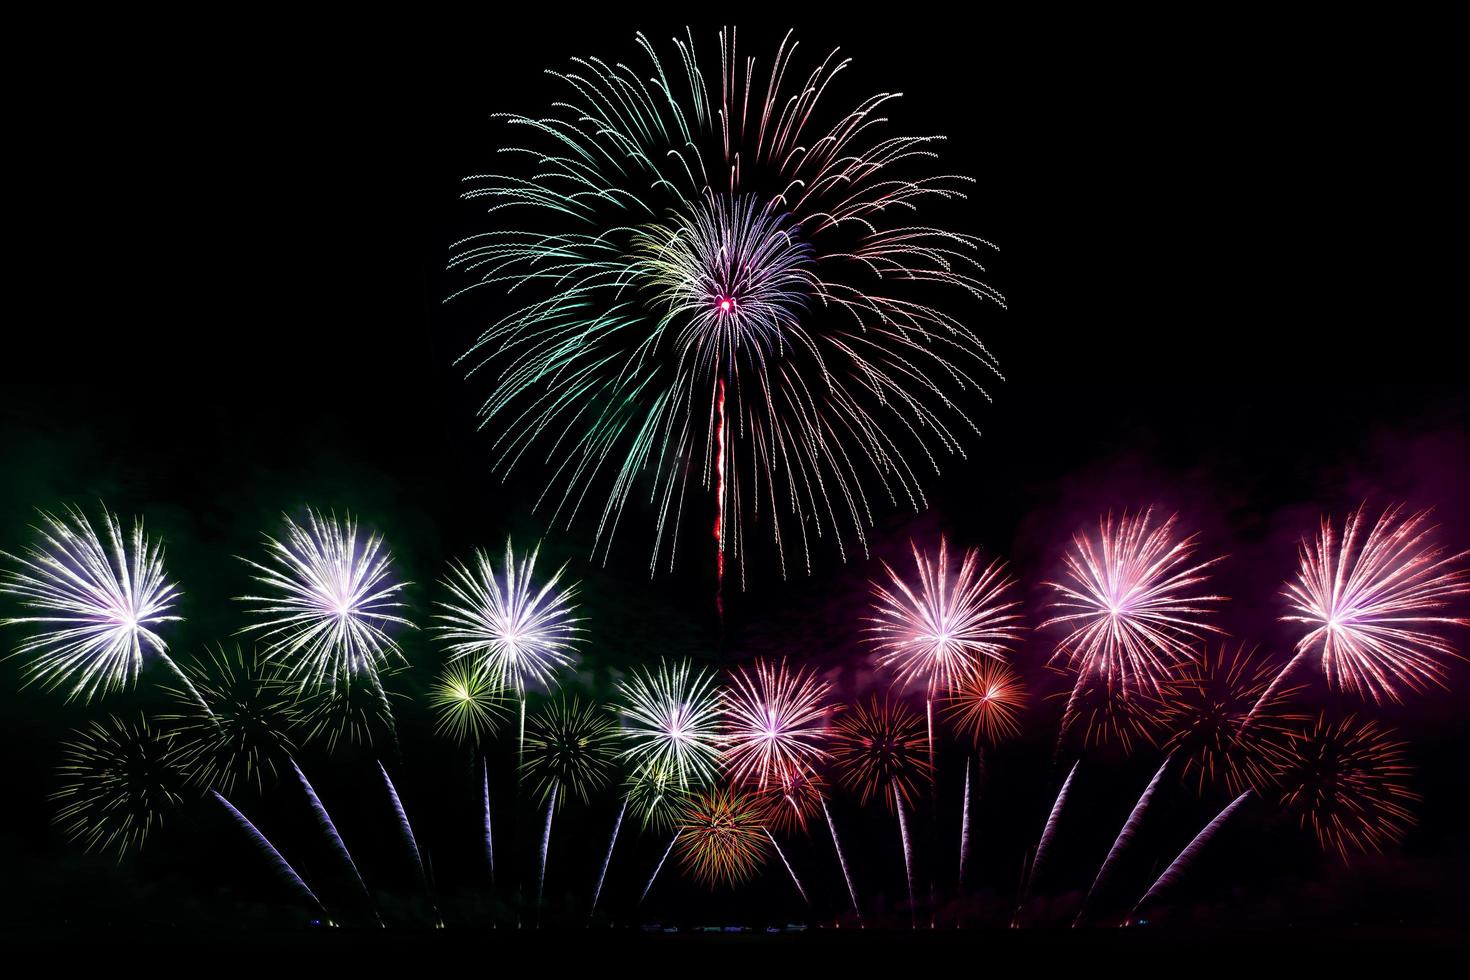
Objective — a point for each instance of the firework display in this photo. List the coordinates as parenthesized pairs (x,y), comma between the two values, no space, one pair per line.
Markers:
(697,248)
(721,837)
(671,724)
(118,779)
(775,724)
(987,703)
(469,702)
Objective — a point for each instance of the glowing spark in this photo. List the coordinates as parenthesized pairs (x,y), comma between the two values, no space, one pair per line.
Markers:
(987,704)
(469,703)
(879,750)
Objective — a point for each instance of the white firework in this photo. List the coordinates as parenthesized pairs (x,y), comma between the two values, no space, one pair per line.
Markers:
(517,632)
(331,602)
(97,606)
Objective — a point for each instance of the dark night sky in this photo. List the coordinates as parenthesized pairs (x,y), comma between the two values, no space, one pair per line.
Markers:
(1218,305)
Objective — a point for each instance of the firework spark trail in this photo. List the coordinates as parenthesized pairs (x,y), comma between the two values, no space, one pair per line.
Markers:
(607,859)
(324,821)
(408,838)
(545,847)
(782,855)
(1125,837)
(908,857)
(1367,606)
(1047,834)
(720,503)
(964,830)
(842,862)
(1127,601)
(654,877)
(1186,857)
(669,248)
(489,839)
(100,609)
(282,867)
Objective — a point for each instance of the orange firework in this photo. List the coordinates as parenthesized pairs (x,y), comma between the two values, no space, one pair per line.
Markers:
(881,750)
(987,705)
(1204,711)
(1098,716)
(1348,781)
(721,836)
(792,795)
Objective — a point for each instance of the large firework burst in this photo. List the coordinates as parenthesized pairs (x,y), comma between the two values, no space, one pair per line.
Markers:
(1348,781)
(98,606)
(1204,711)
(653,796)
(775,722)
(712,244)
(246,733)
(468,702)
(987,704)
(569,750)
(793,794)
(1129,600)
(671,720)
(1369,604)
(939,633)
(722,835)
(517,631)
(331,604)
(118,778)
(879,748)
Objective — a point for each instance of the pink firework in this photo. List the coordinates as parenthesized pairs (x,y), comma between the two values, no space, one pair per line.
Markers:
(1130,600)
(775,722)
(1370,604)
(940,633)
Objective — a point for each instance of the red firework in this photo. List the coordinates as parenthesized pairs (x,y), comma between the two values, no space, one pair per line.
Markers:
(1348,781)
(1370,605)
(721,836)
(1097,717)
(987,705)
(1129,598)
(775,723)
(880,750)
(1204,712)
(940,633)
(792,796)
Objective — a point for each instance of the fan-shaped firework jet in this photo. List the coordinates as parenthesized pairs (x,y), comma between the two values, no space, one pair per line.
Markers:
(879,749)
(1205,708)
(1348,781)
(1370,604)
(721,836)
(409,840)
(1043,846)
(568,752)
(720,290)
(515,631)
(329,830)
(278,863)
(1186,857)
(671,722)
(940,634)
(1129,599)
(775,723)
(118,778)
(245,735)
(1124,838)
(330,606)
(98,606)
